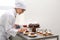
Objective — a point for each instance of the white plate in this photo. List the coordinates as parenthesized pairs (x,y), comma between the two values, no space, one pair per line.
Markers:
(32,35)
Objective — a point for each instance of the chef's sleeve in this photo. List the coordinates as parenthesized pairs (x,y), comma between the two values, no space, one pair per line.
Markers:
(9,26)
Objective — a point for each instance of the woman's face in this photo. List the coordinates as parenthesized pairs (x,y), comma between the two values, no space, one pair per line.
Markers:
(19,11)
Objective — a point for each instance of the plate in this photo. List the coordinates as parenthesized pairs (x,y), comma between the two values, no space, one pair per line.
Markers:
(32,35)
(26,33)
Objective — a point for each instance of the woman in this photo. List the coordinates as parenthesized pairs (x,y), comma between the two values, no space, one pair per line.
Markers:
(7,28)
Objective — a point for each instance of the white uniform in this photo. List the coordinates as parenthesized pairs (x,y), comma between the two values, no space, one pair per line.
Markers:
(6,25)
(7,22)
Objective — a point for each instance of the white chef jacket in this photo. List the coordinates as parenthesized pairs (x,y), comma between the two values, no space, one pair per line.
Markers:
(6,25)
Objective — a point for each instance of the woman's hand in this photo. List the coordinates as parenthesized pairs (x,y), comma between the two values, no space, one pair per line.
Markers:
(22,29)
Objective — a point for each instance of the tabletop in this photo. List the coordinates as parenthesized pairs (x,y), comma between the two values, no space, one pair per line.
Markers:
(37,37)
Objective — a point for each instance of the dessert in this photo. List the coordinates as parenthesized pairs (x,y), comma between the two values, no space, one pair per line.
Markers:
(31,25)
(26,32)
(24,25)
(32,34)
(34,26)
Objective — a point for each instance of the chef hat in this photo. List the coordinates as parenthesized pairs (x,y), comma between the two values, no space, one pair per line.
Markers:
(20,5)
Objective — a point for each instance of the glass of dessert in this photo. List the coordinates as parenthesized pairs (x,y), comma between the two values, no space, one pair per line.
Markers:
(33,27)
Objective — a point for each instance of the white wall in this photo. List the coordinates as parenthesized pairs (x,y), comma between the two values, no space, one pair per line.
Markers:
(5,5)
(7,2)
(46,12)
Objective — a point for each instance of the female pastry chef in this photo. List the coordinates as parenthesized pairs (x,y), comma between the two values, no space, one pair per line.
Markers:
(7,22)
